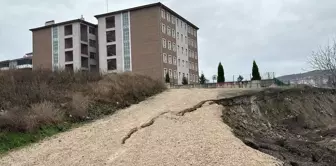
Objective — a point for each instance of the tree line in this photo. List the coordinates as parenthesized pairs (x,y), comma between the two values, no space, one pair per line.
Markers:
(220,75)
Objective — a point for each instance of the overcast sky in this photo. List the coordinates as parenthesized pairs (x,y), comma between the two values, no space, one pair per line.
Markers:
(278,34)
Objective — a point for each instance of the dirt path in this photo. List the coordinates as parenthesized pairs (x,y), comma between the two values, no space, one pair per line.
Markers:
(197,138)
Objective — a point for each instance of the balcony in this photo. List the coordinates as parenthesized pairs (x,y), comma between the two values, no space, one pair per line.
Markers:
(84,33)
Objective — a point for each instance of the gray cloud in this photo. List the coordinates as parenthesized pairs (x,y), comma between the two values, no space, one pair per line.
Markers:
(278,34)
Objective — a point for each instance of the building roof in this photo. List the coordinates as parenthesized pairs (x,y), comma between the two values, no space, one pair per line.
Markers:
(10,60)
(148,6)
(63,23)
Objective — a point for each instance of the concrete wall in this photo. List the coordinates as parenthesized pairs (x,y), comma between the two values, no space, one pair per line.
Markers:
(184,56)
(102,44)
(42,48)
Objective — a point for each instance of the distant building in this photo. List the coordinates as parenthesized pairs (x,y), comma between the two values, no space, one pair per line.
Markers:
(70,45)
(152,40)
(21,63)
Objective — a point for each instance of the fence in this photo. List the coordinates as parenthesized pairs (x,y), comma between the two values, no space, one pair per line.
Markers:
(244,84)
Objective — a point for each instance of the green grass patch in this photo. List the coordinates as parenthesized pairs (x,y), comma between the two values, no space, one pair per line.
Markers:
(12,140)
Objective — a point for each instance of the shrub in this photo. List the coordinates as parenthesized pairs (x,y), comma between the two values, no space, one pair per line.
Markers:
(167,79)
(45,113)
(79,107)
(184,81)
(13,120)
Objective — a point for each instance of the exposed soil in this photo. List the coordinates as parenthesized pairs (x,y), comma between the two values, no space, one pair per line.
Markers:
(297,126)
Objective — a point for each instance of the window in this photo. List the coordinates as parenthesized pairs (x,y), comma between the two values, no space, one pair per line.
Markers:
(164,72)
(163,14)
(111,50)
(175,74)
(178,48)
(173,33)
(92,55)
(164,58)
(111,64)
(164,44)
(163,28)
(84,49)
(192,66)
(67,30)
(168,31)
(181,24)
(174,60)
(186,51)
(110,36)
(68,56)
(192,42)
(177,35)
(92,30)
(170,59)
(185,26)
(174,47)
(196,66)
(182,63)
(170,73)
(84,62)
(182,37)
(169,45)
(187,64)
(179,62)
(68,43)
(92,43)
(110,22)
(183,74)
(189,53)
(196,78)
(186,40)
(182,49)
(173,19)
(168,17)
(177,21)
(179,76)
(195,55)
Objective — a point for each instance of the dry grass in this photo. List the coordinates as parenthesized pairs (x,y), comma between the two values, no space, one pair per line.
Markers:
(42,97)
(79,107)
(45,113)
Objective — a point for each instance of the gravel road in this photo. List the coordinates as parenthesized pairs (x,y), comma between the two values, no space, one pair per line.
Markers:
(197,138)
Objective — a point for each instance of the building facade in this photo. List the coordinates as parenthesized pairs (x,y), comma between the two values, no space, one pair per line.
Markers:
(152,40)
(70,45)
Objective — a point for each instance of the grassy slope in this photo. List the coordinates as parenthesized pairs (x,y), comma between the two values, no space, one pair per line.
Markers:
(106,95)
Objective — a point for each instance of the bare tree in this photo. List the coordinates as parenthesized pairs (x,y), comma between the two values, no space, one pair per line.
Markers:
(325,59)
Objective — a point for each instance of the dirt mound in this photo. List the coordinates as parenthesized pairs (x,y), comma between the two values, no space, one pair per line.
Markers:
(297,126)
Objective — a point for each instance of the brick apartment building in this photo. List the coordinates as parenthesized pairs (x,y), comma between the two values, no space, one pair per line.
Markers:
(150,40)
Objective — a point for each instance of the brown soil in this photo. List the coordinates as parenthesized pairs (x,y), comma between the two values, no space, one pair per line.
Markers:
(297,126)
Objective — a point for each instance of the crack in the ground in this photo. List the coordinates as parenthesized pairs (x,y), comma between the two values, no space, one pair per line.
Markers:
(180,113)
(135,129)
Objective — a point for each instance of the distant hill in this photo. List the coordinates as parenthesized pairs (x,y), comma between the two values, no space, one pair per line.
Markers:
(316,78)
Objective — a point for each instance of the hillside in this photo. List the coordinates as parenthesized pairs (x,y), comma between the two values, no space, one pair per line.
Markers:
(316,78)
